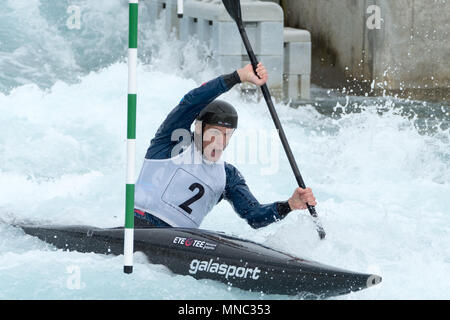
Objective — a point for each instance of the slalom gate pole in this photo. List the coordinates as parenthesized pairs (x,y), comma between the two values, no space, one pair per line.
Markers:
(131,137)
(180,8)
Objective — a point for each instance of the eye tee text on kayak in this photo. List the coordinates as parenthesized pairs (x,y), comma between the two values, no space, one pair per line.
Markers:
(188,242)
(224,269)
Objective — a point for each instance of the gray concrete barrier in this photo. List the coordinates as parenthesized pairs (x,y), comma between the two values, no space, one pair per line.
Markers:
(297,64)
(399,47)
(264,22)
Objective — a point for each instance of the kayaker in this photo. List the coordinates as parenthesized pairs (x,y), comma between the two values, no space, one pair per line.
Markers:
(183,176)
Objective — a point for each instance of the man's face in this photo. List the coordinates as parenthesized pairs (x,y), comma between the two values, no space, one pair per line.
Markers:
(215,140)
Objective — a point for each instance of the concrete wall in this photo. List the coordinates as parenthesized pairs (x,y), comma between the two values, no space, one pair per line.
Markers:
(408,55)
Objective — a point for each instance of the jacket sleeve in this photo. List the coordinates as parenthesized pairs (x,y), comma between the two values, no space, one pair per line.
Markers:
(245,204)
(184,114)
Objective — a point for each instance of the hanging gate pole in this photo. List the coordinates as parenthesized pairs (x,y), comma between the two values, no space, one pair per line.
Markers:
(131,137)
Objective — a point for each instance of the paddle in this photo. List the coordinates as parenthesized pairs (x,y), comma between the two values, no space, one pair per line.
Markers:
(234,9)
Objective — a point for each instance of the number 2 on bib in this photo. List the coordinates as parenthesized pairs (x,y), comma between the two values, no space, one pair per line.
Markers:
(197,196)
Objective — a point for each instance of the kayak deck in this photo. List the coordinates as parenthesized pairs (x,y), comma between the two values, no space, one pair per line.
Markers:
(206,254)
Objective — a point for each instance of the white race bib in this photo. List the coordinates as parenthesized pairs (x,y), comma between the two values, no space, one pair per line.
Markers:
(180,193)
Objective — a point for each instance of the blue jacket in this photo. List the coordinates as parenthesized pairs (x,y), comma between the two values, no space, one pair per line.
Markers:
(236,190)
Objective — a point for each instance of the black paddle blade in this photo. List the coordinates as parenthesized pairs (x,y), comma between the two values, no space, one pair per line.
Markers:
(234,9)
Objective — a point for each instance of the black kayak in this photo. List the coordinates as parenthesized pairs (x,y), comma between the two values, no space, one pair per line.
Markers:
(212,255)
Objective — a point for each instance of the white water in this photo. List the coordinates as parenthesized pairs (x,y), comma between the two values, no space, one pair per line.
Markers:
(383,188)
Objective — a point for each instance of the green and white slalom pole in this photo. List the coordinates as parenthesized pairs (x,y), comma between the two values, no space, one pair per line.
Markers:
(131,137)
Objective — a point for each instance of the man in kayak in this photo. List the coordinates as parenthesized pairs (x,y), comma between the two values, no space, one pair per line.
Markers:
(183,177)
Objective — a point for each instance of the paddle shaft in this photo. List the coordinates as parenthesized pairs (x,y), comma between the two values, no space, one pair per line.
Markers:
(276,120)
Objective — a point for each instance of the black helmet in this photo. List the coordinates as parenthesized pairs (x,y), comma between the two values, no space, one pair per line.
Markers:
(219,113)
